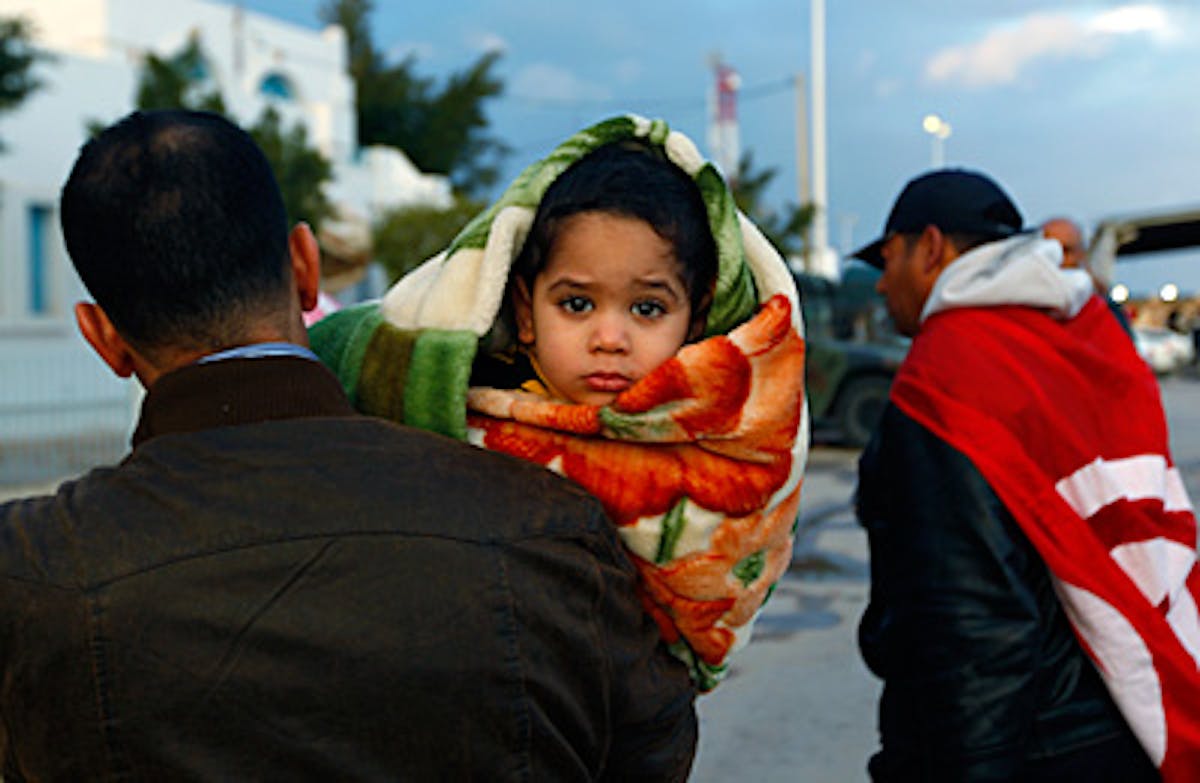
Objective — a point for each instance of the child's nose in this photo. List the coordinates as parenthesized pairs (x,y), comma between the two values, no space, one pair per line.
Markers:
(610,334)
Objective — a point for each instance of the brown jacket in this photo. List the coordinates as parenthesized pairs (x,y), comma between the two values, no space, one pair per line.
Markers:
(270,587)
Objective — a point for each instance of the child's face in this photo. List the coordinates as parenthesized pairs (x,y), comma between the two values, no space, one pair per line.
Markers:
(609,306)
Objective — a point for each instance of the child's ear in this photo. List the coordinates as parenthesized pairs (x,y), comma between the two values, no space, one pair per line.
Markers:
(523,310)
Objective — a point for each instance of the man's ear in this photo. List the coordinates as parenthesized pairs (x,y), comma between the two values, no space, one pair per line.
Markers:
(306,264)
(523,310)
(934,250)
(108,344)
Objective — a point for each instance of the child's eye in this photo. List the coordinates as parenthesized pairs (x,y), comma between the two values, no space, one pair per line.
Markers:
(648,308)
(575,304)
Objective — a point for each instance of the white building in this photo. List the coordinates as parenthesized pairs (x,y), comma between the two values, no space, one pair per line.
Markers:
(50,384)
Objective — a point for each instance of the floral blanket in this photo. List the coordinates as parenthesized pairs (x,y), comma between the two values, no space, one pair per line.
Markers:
(698,464)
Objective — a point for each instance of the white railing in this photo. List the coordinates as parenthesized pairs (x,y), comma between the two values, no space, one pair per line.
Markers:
(61,413)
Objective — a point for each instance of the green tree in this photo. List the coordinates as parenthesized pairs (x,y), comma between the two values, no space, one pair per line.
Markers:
(407,236)
(442,129)
(180,81)
(300,169)
(786,229)
(351,16)
(17,60)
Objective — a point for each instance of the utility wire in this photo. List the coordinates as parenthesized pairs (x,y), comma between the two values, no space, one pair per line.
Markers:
(689,106)
(748,94)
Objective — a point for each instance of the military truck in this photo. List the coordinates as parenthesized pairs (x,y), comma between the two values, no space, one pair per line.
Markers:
(853,353)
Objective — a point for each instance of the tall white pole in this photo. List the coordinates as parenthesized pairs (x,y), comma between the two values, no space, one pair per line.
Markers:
(822,258)
(803,179)
(803,176)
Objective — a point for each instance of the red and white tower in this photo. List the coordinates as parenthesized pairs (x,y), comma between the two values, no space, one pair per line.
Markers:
(723,138)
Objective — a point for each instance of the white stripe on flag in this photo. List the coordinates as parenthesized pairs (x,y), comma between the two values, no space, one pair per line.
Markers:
(1158,566)
(1102,482)
(1177,496)
(1185,622)
(1125,664)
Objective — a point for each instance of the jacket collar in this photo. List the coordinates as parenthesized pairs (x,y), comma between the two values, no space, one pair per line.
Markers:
(239,391)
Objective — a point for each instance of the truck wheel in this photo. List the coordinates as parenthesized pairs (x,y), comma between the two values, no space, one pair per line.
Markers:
(861,407)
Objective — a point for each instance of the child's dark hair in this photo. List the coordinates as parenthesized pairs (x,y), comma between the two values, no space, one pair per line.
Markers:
(631,179)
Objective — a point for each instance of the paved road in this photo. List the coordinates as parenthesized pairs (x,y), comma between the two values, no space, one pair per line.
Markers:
(1181,398)
(799,705)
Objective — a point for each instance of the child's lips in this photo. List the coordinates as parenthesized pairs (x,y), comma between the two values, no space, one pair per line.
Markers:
(608,382)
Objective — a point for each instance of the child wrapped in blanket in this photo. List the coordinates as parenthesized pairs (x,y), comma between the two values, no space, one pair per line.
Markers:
(616,319)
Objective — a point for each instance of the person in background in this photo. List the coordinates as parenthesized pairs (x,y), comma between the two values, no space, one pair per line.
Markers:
(272,587)
(1069,235)
(1032,610)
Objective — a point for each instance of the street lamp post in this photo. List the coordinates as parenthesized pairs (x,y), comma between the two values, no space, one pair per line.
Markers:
(939,130)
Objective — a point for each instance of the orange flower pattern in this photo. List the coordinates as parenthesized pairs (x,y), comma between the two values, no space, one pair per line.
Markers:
(699,465)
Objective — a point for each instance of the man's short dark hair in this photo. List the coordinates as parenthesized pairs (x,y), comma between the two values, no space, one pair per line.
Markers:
(961,242)
(176,225)
(964,242)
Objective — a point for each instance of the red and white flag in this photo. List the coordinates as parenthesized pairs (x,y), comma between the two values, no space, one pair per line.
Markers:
(1064,420)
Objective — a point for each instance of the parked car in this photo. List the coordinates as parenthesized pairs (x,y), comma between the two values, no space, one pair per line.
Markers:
(1164,350)
(852,353)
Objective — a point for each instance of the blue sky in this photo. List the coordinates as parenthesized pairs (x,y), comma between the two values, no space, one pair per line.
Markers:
(1083,108)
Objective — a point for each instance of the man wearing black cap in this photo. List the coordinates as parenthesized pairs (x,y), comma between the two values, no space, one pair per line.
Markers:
(1019,498)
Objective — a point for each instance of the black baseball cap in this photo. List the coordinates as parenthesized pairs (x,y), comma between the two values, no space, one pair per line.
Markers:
(954,200)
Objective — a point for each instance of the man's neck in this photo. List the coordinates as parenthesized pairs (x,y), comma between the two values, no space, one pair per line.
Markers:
(172,358)
(277,327)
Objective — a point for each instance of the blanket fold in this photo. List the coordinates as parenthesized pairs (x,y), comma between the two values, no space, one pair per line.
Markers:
(699,463)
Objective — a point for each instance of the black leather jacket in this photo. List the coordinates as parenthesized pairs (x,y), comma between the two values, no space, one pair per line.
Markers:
(983,677)
(271,587)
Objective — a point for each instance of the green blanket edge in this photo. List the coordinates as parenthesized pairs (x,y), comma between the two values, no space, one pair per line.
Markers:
(366,353)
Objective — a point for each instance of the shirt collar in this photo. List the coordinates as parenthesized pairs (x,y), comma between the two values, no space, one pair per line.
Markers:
(260,351)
